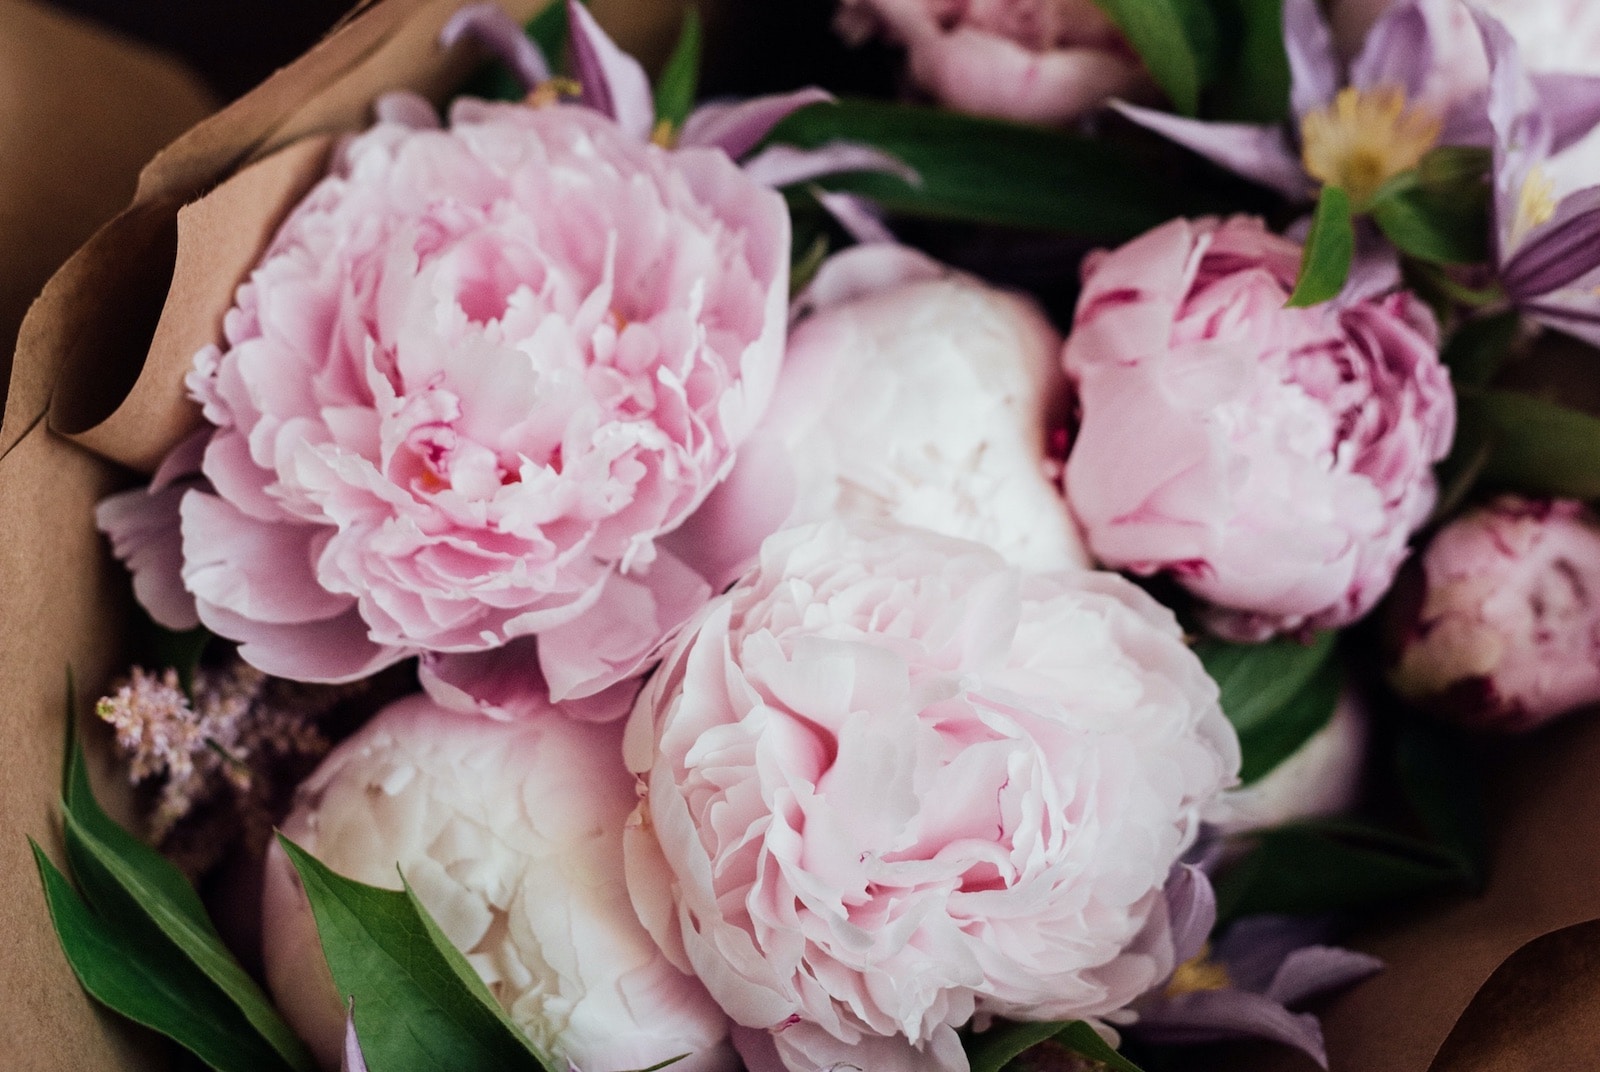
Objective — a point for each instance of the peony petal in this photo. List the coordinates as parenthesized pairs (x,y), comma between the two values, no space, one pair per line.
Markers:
(144,527)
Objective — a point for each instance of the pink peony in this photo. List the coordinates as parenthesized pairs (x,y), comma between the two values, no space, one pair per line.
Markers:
(477,374)
(1042,61)
(1505,631)
(511,836)
(914,393)
(1274,461)
(891,782)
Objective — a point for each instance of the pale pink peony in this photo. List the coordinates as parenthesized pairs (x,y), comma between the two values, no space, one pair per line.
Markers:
(1504,633)
(477,374)
(1043,61)
(1274,461)
(910,392)
(891,782)
(511,836)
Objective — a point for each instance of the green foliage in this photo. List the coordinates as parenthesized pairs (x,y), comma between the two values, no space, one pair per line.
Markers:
(1329,250)
(1276,694)
(1176,39)
(1535,446)
(989,171)
(1479,347)
(680,80)
(1439,211)
(993,1050)
(422,1005)
(1253,69)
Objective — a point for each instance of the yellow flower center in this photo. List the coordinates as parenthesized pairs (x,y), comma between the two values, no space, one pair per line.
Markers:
(1365,138)
(665,134)
(1535,205)
(551,92)
(1201,973)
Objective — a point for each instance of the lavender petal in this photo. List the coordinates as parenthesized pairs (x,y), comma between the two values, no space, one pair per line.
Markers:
(1375,269)
(406,109)
(1399,51)
(1215,1015)
(1571,103)
(1313,67)
(1558,252)
(857,216)
(784,165)
(1259,153)
(1192,908)
(738,127)
(1316,969)
(1255,947)
(613,82)
(351,1058)
(490,26)
(1522,135)
(1575,312)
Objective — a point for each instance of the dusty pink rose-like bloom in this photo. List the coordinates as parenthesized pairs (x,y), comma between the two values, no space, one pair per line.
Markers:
(1042,61)
(477,373)
(890,782)
(511,835)
(1274,461)
(1504,632)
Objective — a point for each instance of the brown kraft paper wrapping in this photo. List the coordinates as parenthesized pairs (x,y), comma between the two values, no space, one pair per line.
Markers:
(101,359)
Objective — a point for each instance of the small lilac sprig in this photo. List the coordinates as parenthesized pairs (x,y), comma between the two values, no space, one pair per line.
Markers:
(213,754)
(612,82)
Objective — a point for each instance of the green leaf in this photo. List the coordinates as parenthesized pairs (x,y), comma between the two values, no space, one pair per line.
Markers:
(1176,39)
(1317,867)
(149,985)
(140,893)
(992,1050)
(989,171)
(1441,776)
(1253,81)
(1276,694)
(1536,446)
(1439,211)
(418,1008)
(996,1048)
(1084,1041)
(680,79)
(1479,347)
(1329,250)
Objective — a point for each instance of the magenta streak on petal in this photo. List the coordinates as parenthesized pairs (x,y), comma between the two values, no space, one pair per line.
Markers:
(738,127)
(1559,252)
(490,26)
(613,82)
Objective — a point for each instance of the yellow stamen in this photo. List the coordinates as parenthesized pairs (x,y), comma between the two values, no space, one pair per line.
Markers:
(1201,973)
(1365,138)
(1535,205)
(551,92)
(665,134)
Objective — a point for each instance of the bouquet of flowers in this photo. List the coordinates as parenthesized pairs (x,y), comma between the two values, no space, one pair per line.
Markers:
(1016,571)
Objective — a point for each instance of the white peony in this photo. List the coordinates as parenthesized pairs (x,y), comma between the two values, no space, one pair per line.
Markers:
(511,835)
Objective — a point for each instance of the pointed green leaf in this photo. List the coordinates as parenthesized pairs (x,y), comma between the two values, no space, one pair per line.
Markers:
(548,29)
(1537,447)
(1440,226)
(1253,79)
(1176,39)
(988,171)
(1084,1041)
(138,891)
(994,1049)
(149,985)
(1329,250)
(1479,347)
(418,1011)
(680,79)
(1277,694)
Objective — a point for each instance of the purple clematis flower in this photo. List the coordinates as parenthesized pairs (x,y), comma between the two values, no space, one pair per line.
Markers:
(613,82)
(1547,246)
(1355,129)
(1241,987)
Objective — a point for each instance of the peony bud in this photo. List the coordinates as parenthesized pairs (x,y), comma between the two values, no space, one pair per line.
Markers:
(1273,461)
(1505,632)
(511,835)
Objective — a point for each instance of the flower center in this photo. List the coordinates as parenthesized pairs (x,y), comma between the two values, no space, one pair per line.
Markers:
(1365,138)
(1200,974)
(551,92)
(1535,204)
